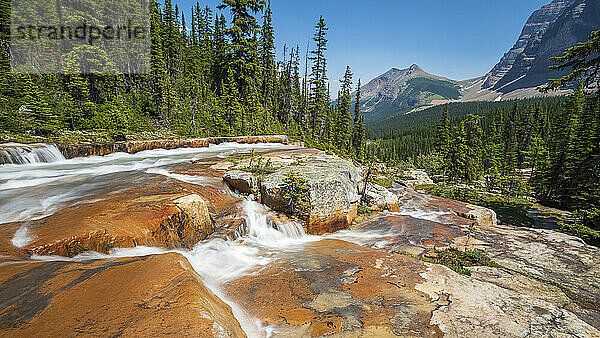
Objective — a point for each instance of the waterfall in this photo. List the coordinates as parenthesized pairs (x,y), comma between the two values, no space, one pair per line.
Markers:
(267,230)
(14,153)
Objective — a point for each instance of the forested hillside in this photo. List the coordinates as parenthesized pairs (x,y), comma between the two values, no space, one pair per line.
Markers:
(409,134)
(208,77)
(547,150)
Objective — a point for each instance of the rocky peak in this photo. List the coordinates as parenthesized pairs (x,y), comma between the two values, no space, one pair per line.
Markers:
(386,85)
(535,27)
(531,67)
(415,68)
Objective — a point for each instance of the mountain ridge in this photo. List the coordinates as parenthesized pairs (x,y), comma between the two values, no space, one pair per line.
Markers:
(398,88)
(548,32)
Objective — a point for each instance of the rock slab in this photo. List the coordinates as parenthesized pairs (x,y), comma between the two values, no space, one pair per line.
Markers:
(332,192)
(141,296)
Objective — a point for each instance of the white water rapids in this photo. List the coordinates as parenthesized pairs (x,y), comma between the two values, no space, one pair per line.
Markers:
(35,190)
(15,153)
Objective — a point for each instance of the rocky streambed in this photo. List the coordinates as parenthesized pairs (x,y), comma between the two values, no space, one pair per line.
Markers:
(176,242)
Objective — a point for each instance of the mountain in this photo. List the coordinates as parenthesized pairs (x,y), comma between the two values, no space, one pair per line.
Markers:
(536,26)
(574,25)
(548,32)
(398,89)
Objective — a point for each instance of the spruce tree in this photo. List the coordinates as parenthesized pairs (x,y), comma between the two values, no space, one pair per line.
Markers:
(267,56)
(443,138)
(343,119)
(358,128)
(319,102)
(242,34)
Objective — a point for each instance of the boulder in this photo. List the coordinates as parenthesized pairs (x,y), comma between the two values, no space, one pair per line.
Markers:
(380,198)
(196,209)
(242,181)
(331,192)
(485,217)
(150,296)
(416,178)
(143,216)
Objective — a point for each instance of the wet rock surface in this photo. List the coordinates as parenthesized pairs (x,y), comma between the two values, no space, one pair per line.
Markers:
(139,296)
(162,213)
(369,280)
(132,147)
(334,287)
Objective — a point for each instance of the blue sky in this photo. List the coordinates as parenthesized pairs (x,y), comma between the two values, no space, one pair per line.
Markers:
(458,39)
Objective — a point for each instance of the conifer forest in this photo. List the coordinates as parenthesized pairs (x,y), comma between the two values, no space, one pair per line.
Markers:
(209,76)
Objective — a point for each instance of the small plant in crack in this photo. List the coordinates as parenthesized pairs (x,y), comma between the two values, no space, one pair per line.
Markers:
(296,194)
(459,261)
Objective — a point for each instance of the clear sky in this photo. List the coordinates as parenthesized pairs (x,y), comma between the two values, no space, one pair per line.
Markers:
(459,39)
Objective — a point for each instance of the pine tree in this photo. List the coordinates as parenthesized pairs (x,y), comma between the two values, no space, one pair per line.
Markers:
(319,102)
(458,154)
(157,61)
(474,145)
(221,50)
(243,40)
(343,125)
(267,56)
(358,128)
(510,142)
(443,138)
(232,105)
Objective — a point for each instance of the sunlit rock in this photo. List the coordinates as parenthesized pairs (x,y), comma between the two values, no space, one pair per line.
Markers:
(242,181)
(380,198)
(147,296)
(331,192)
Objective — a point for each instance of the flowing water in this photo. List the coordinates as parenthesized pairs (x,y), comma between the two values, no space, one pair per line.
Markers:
(35,190)
(15,153)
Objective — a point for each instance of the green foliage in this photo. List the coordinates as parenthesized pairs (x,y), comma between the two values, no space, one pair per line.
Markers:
(382,181)
(585,224)
(446,89)
(259,166)
(358,129)
(213,79)
(296,193)
(363,209)
(459,260)
(407,135)
(549,146)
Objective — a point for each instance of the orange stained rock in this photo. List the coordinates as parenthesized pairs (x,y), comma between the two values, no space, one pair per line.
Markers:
(336,287)
(132,147)
(140,296)
(333,223)
(145,215)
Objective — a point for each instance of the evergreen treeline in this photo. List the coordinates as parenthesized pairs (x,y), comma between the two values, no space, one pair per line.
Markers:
(408,136)
(207,77)
(559,145)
